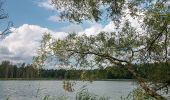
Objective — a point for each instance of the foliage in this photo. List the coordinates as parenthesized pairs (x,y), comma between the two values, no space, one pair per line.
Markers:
(106,49)
(55,98)
(124,47)
(85,95)
(79,10)
(82,95)
(138,94)
(156,72)
(8,70)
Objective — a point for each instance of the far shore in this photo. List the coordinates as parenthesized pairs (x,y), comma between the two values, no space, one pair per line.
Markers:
(53,79)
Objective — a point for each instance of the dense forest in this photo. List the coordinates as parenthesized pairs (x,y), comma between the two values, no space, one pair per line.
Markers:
(9,70)
(28,71)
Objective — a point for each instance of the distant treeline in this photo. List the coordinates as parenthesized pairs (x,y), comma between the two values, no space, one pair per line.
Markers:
(9,70)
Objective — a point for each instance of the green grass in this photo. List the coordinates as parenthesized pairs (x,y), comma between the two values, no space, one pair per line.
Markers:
(82,95)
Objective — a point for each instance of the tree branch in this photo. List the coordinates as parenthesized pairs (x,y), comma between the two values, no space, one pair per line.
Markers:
(7,30)
(143,84)
(99,54)
(159,35)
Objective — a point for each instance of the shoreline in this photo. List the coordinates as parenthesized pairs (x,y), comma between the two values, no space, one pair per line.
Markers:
(53,79)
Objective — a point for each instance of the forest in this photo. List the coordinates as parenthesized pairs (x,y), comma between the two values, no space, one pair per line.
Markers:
(153,72)
(9,70)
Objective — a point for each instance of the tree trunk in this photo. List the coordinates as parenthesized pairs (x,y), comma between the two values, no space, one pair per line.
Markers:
(142,83)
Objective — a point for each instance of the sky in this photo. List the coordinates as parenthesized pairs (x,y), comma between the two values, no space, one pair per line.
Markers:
(33,18)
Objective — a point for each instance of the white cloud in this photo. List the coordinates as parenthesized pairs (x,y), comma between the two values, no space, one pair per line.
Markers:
(96,28)
(109,27)
(93,30)
(46,4)
(54,18)
(72,28)
(22,44)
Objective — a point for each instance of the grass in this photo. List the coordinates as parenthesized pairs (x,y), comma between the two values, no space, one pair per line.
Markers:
(138,94)
(82,95)
(86,95)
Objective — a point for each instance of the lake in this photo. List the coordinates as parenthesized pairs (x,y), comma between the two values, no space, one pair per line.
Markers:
(36,90)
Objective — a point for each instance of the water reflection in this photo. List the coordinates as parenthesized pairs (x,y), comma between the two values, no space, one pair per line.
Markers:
(68,86)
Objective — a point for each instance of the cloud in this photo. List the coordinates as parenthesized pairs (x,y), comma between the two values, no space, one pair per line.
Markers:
(54,18)
(47,4)
(93,30)
(109,27)
(22,44)
(96,28)
(72,28)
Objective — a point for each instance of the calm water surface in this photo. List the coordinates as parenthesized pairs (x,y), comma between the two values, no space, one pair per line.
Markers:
(36,90)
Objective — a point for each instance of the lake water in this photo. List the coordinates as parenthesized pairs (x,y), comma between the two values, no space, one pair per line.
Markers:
(36,90)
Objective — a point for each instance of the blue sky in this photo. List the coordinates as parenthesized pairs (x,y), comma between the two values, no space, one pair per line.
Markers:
(32,12)
(28,12)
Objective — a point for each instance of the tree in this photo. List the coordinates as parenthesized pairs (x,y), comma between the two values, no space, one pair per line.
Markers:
(124,47)
(4,15)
